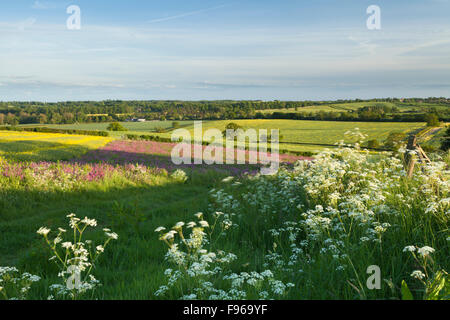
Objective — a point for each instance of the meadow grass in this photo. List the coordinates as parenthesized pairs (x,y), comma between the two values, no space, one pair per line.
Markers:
(133,127)
(298,135)
(310,233)
(303,135)
(135,269)
(313,232)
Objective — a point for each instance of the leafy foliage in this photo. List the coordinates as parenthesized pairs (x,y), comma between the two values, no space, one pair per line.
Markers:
(115,126)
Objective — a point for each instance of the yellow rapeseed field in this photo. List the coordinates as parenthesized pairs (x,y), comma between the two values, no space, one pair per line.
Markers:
(34,146)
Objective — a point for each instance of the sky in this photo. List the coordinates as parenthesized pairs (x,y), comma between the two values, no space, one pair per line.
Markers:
(223,49)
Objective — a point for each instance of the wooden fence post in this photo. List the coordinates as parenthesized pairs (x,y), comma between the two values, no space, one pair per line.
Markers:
(410,160)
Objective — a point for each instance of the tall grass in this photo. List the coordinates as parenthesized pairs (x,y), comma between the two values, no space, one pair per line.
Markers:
(310,232)
(318,229)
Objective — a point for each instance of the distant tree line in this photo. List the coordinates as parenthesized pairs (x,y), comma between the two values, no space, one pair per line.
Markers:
(360,115)
(377,112)
(54,130)
(14,113)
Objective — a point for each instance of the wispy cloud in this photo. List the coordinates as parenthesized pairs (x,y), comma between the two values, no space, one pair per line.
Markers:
(22,25)
(45,5)
(38,5)
(425,45)
(186,14)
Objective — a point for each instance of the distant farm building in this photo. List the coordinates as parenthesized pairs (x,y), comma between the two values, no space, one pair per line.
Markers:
(135,120)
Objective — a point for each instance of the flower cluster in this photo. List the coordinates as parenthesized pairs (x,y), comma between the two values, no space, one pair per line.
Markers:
(346,202)
(179,175)
(200,269)
(435,282)
(70,175)
(75,258)
(13,285)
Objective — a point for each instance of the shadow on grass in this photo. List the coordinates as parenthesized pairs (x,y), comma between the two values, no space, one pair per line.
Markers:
(161,161)
(26,150)
(131,267)
(42,151)
(133,211)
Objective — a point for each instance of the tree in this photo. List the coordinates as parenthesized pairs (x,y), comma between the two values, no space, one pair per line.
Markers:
(11,119)
(432,120)
(394,140)
(56,118)
(231,126)
(68,117)
(115,126)
(446,142)
(42,118)
(24,117)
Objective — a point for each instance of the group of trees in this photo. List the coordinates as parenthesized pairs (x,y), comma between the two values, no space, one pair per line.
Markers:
(116,126)
(432,120)
(430,115)
(14,113)
(118,110)
(393,142)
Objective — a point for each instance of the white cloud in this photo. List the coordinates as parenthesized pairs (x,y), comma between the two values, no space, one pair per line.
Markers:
(45,5)
(186,14)
(38,5)
(28,23)
(142,59)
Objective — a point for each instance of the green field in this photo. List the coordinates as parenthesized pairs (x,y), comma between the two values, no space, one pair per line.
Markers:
(296,132)
(133,127)
(298,135)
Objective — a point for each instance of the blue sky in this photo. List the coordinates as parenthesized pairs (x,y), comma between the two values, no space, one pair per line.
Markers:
(211,49)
